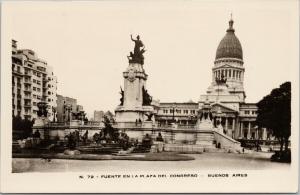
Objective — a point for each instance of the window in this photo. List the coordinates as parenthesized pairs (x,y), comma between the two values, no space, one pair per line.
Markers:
(247,112)
(34,96)
(171,111)
(38,89)
(178,111)
(34,88)
(34,103)
(34,80)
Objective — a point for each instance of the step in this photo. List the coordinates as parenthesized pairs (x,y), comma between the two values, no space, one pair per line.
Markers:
(205,139)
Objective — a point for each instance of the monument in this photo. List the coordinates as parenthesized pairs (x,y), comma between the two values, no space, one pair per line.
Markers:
(41,120)
(136,117)
(205,120)
(135,108)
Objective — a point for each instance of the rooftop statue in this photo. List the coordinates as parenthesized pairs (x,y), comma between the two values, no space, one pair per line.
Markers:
(137,55)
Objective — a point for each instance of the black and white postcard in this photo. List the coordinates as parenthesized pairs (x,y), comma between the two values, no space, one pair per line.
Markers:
(149,96)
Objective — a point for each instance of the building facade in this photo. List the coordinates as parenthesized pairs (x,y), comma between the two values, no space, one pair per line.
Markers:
(68,109)
(65,106)
(33,81)
(98,116)
(226,96)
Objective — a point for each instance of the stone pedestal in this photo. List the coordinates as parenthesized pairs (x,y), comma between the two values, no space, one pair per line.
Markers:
(136,114)
(219,129)
(133,109)
(205,125)
(204,132)
(39,124)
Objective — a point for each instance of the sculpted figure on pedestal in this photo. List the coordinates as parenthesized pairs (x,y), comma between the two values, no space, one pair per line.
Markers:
(42,112)
(122,97)
(137,55)
(147,99)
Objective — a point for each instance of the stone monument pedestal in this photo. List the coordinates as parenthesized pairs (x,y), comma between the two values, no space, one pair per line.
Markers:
(132,114)
(39,124)
(205,133)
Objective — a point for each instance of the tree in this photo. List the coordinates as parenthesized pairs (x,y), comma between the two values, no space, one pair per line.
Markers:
(22,125)
(274,112)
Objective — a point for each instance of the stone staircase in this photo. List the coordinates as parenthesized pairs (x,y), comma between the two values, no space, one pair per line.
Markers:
(100,149)
(205,139)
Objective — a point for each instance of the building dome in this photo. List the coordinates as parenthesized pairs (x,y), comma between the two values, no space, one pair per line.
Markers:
(230,46)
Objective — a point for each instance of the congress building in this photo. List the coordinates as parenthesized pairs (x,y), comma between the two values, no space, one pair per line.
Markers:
(226,95)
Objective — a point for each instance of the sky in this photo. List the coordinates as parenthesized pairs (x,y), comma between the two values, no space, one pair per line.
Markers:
(86,43)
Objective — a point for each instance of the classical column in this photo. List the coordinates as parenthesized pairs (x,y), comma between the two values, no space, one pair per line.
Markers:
(241,130)
(242,76)
(226,123)
(249,127)
(264,137)
(233,127)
